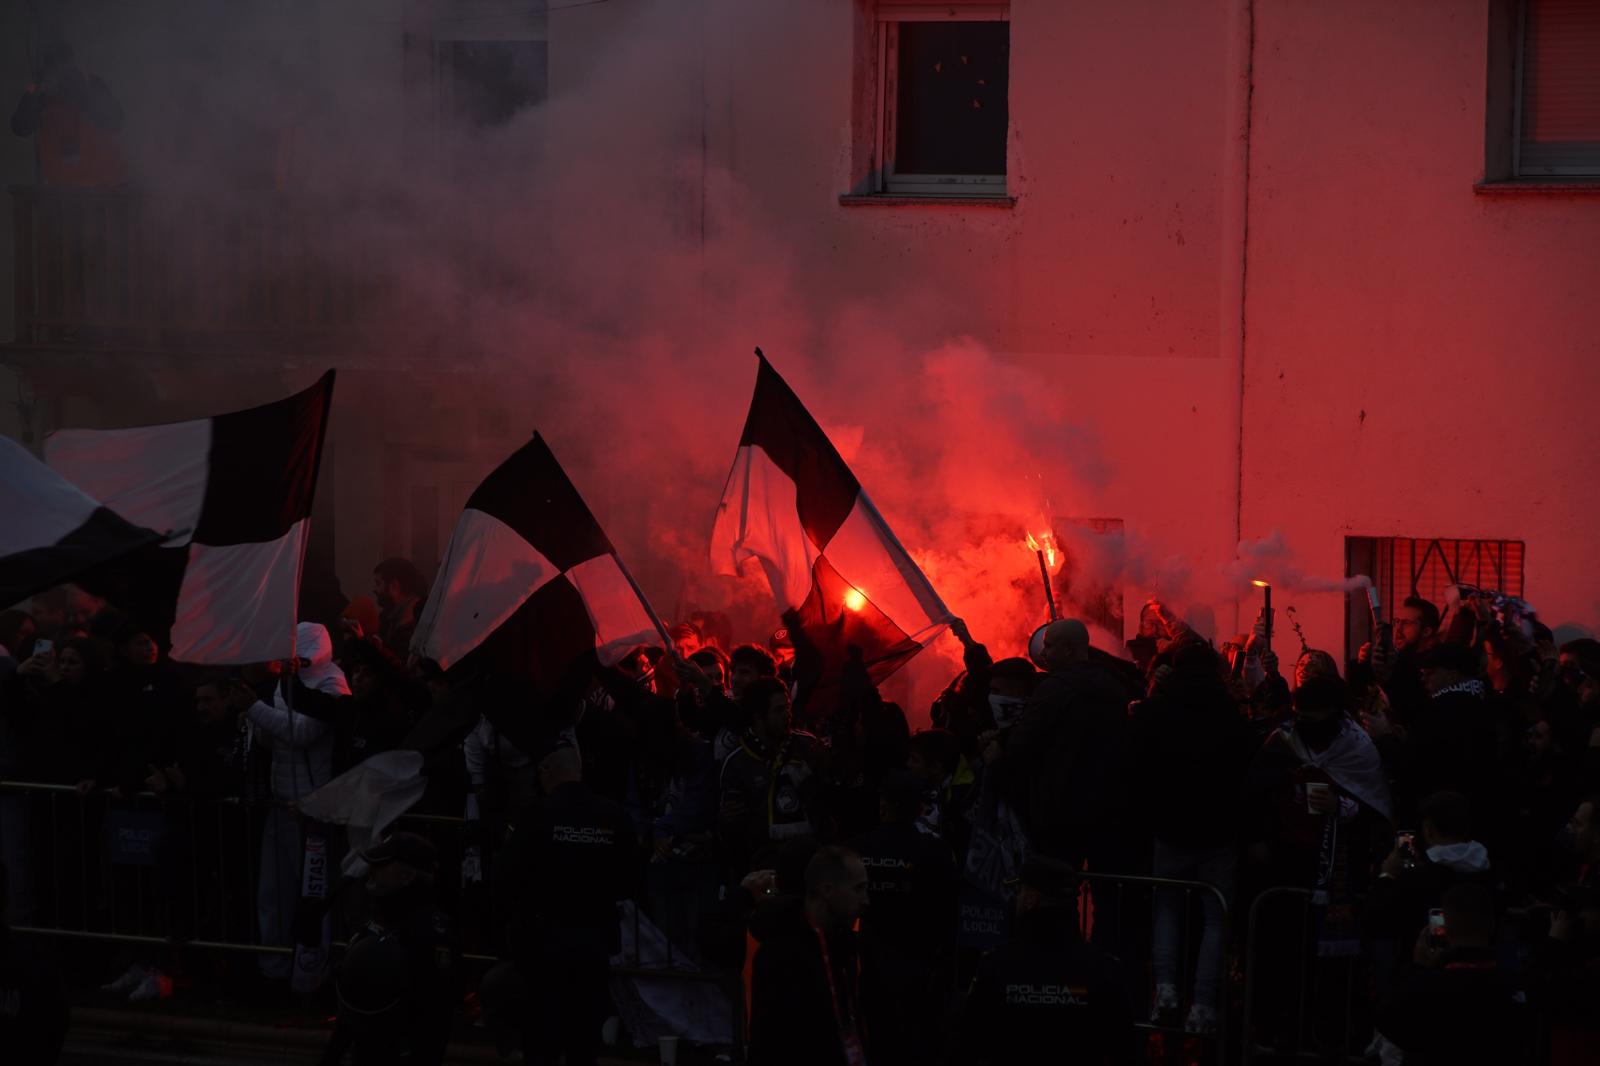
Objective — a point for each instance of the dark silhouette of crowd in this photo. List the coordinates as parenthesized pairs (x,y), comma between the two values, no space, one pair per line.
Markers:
(1096,855)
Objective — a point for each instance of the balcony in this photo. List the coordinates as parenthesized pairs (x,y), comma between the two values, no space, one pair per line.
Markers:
(117,269)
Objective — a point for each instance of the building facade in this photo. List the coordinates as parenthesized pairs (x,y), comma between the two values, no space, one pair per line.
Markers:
(1319,278)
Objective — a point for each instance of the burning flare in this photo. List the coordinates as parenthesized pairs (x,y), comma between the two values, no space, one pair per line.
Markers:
(1046,544)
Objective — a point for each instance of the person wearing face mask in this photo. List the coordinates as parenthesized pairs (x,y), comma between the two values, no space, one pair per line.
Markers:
(400,979)
(949,784)
(1320,808)
(1317,815)
(1190,749)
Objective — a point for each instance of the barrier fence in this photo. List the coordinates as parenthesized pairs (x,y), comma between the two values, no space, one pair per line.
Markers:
(168,873)
(173,873)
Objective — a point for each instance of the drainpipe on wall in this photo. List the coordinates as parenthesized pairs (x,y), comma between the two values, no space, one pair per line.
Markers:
(1234,268)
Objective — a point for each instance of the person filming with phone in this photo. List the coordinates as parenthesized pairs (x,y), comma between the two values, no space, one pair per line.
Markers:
(1421,868)
(1454,1006)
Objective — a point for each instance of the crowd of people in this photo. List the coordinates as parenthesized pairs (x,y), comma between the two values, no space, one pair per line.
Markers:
(1415,828)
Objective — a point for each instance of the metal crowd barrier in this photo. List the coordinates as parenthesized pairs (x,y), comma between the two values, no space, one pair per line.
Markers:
(1303,984)
(1116,913)
(179,872)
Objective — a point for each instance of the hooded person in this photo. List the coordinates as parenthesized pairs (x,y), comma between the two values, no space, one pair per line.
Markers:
(1413,879)
(296,726)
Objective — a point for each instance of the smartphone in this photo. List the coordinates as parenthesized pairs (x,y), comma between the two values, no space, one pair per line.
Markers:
(1405,842)
(43,646)
(1436,930)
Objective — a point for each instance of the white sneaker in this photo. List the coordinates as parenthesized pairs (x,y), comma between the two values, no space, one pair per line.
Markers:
(129,980)
(149,988)
(1202,1020)
(1164,1011)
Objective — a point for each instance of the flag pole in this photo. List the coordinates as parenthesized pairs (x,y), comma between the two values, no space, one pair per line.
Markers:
(655,619)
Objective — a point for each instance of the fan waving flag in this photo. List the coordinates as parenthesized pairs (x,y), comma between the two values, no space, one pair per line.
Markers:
(50,532)
(839,575)
(234,494)
(530,586)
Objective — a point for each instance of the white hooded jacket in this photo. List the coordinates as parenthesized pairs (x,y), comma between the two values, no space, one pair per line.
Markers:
(302,746)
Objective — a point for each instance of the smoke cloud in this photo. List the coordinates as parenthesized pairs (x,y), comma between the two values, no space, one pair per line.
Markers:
(594,268)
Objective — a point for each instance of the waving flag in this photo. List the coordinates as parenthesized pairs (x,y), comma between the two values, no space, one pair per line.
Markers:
(530,585)
(839,575)
(50,532)
(234,494)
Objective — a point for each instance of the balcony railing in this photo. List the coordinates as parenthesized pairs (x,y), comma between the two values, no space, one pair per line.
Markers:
(117,268)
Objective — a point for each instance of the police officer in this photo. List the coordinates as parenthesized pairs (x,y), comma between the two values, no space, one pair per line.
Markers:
(399,983)
(1046,988)
(567,863)
(908,935)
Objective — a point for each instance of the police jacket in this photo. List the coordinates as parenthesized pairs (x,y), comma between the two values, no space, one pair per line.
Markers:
(912,882)
(1046,995)
(567,862)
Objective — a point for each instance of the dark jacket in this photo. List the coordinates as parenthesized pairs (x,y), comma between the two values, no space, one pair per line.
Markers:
(398,986)
(1397,907)
(792,1018)
(1451,743)
(912,882)
(1047,989)
(1191,749)
(1065,765)
(767,797)
(1459,1013)
(566,864)
(206,756)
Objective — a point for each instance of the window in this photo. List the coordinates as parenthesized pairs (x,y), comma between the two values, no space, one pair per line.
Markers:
(943,80)
(1558,107)
(1405,566)
(1543,105)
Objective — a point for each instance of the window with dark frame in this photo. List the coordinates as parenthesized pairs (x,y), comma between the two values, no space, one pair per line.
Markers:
(943,99)
(1423,566)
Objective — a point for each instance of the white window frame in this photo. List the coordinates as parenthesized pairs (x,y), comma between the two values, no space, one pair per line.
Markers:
(888,181)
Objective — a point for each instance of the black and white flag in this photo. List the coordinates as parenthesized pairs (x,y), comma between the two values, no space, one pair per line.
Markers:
(235,492)
(530,585)
(840,576)
(50,532)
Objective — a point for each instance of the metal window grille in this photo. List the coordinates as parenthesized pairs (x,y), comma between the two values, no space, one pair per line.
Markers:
(1424,566)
